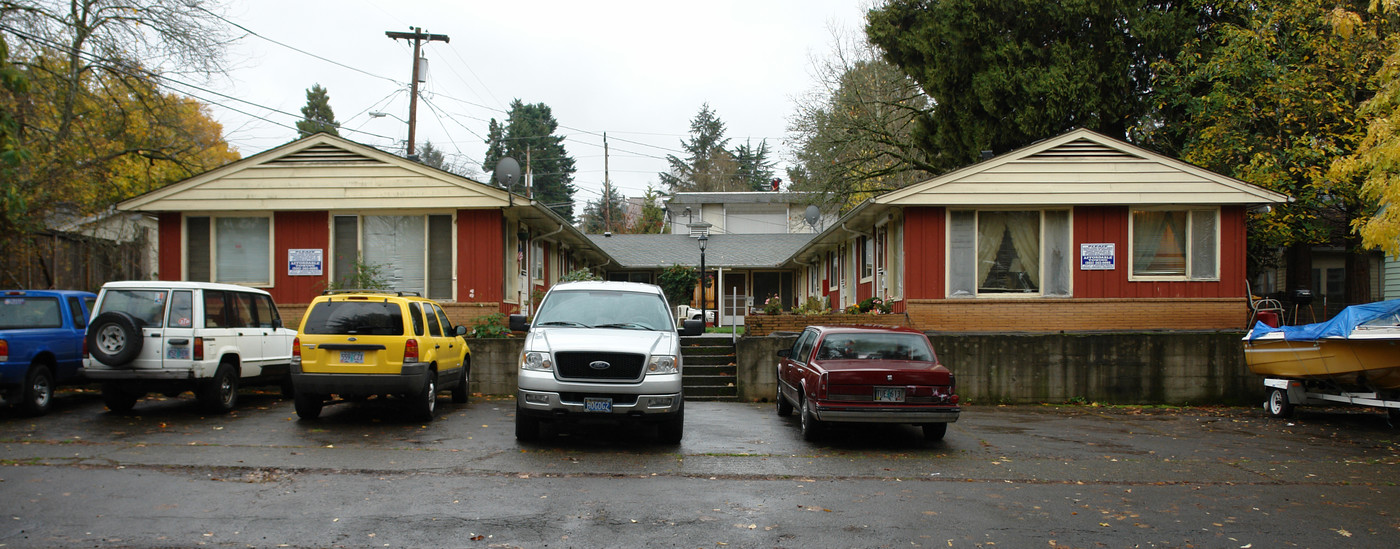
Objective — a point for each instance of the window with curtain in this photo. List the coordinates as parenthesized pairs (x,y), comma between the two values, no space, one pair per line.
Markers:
(413,253)
(235,250)
(1175,244)
(1009,252)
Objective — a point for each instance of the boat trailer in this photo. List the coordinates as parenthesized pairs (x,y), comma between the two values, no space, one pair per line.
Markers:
(1285,394)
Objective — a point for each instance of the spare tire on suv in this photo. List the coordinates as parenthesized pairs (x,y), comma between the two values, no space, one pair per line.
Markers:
(114,338)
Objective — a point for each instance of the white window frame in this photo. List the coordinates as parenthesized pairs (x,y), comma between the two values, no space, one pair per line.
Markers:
(1040,237)
(214,246)
(1190,242)
(360,216)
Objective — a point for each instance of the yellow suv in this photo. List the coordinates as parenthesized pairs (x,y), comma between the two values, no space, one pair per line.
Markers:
(360,343)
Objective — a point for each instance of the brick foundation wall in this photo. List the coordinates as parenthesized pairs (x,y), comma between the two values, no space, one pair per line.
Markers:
(762,325)
(1077,315)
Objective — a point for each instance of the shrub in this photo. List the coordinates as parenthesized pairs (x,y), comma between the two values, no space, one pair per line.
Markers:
(814,306)
(773,305)
(580,275)
(875,304)
(490,326)
(678,283)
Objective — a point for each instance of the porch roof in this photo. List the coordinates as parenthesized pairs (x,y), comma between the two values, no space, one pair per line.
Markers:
(658,251)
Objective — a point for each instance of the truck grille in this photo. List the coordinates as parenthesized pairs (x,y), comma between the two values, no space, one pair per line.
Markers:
(621,366)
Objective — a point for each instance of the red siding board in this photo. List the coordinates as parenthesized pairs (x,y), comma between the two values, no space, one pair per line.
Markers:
(1110,224)
(304,230)
(924,252)
(171,247)
(480,253)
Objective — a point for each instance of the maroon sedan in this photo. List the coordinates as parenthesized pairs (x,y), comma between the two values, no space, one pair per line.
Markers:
(865,374)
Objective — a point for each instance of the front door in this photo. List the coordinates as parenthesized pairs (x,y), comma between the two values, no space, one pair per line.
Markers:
(735,299)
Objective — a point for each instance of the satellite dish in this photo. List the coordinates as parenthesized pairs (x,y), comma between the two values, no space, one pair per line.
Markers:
(812,215)
(507,171)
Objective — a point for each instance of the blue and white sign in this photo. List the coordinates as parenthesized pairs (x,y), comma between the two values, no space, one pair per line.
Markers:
(305,261)
(1096,257)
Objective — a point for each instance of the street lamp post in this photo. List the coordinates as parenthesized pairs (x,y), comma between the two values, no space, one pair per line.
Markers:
(703,240)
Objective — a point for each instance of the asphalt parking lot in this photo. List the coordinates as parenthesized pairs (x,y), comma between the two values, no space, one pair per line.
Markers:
(1008,476)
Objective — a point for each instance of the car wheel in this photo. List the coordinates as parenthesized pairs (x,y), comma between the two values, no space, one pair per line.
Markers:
(934,431)
(527,428)
(673,429)
(784,407)
(1278,404)
(308,405)
(811,426)
(220,394)
(38,390)
(114,338)
(119,399)
(462,392)
(426,402)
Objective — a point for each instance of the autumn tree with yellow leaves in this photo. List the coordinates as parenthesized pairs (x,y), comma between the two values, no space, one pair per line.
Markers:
(94,121)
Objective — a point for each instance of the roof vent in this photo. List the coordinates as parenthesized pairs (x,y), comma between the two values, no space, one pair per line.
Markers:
(699,229)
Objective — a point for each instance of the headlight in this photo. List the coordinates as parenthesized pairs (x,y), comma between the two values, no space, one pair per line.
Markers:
(535,360)
(663,364)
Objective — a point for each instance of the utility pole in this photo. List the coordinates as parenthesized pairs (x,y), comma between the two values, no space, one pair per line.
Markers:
(417,36)
(607,190)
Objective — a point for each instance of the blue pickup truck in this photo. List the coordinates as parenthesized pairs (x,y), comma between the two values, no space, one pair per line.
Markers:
(41,344)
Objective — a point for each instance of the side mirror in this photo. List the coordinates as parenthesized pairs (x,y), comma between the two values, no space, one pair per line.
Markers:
(461,331)
(784,353)
(277,324)
(692,327)
(519,323)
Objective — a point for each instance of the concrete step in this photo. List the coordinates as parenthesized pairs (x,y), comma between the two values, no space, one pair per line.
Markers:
(702,370)
(708,350)
(715,360)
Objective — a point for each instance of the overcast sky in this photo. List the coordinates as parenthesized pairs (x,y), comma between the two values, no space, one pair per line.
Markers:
(636,70)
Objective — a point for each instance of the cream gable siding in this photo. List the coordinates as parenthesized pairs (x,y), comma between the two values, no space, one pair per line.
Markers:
(1080,168)
(323,173)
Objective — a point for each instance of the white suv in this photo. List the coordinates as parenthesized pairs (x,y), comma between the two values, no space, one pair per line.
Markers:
(602,350)
(170,337)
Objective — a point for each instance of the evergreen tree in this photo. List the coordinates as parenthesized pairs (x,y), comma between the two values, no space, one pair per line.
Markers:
(428,155)
(616,222)
(1001,75)
(528,136)
(317,115)
(708,166)
(755,170)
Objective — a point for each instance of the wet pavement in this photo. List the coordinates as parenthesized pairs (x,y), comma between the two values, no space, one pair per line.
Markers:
(1007,476)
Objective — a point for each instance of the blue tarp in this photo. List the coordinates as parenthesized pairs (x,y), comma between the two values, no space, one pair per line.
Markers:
(1340,325)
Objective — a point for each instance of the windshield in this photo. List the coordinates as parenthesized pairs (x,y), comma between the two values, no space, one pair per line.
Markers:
(875,346)
(604,309)
(30,312)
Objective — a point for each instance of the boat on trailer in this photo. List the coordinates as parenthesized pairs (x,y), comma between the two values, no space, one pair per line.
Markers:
(1354,358)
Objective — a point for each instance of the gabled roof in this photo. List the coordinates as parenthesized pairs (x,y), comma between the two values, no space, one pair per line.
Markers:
(658,251)
(1080,168)
(320,172)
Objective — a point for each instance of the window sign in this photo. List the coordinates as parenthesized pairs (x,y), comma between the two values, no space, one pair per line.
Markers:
(305,261)
(1096,256)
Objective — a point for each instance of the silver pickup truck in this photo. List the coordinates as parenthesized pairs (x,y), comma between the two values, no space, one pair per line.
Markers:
(602,350)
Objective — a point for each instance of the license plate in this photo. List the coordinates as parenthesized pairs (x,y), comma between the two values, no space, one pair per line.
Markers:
(177,353)
(889,394)
(352,357)
(597,405)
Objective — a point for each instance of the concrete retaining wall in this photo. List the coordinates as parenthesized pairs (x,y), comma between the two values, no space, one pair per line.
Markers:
(494,365)
(1118,368)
